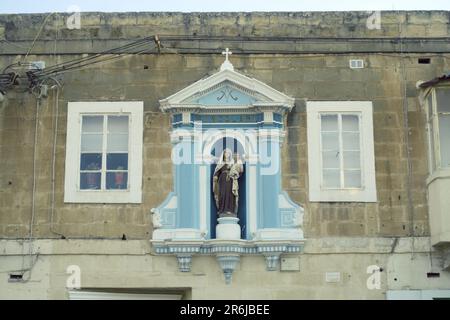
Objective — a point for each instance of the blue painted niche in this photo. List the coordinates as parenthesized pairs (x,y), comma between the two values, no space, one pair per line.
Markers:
(265,211)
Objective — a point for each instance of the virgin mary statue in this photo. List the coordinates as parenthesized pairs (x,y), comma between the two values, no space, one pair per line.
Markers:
(225,184)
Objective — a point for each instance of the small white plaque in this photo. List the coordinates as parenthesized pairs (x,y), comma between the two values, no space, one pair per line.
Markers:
(290,264)
(332,276)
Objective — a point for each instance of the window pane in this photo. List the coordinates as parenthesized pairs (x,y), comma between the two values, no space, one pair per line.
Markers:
(352,178)
(117,161)
(118,124)
(443,100)
(444,139)
(92,124)
(331,178)
(117,142)
(90,180)
(91,142)
(352,160)
(91,161)
(330,141)
(329,122)
(350,141)
(116,180)
(330,159)
(350,122)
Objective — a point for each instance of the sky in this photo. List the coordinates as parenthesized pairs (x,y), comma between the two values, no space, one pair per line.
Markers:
(39,6)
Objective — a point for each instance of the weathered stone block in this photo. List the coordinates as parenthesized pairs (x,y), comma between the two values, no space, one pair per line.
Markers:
(340,90)
(350,229)
(415,30)
(422,17)
(438,30)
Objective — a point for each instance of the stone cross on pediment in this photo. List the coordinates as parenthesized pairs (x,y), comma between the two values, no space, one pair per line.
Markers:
(226,53)
(226,65)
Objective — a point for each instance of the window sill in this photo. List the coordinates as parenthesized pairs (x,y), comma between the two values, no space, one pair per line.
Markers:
(99,196)
(102,191)
(345,195)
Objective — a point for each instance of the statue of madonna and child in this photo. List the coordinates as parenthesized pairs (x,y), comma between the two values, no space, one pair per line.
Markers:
(226,185)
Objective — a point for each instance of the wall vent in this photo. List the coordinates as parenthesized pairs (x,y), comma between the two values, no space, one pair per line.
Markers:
(424,61)
(433,275)
(15,277)
(356,63)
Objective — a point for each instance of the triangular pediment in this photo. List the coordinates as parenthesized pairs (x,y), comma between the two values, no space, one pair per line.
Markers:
(226,93)
(227,88)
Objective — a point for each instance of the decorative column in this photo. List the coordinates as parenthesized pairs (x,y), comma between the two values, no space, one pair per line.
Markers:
(185,170)
(252,196)
(269,169)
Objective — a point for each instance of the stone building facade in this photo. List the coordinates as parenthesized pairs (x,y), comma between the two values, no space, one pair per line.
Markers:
(347,246)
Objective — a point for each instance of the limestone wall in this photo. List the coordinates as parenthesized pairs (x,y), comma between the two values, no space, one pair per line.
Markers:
(101,25)
(304,77)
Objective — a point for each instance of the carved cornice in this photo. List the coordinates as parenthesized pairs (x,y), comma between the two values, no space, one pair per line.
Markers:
(228,252)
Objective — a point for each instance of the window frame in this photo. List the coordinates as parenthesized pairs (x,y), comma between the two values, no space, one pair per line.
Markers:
(75,112)
(104,152)
(367,191)
(433,132)
(341,150)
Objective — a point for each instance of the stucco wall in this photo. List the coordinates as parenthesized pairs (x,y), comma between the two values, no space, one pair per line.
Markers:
(112,264)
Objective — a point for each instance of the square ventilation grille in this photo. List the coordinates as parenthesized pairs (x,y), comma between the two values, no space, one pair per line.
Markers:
(356,63)
(332,276)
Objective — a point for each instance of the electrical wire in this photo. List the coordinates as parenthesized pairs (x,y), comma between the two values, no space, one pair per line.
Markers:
(33,198)
(57,86)
(18,65)
(75,62)
(406,132)
(35,79)
(38,34)
(55,137)
(315,53)
(100,62)
(81,62)
(37,76)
